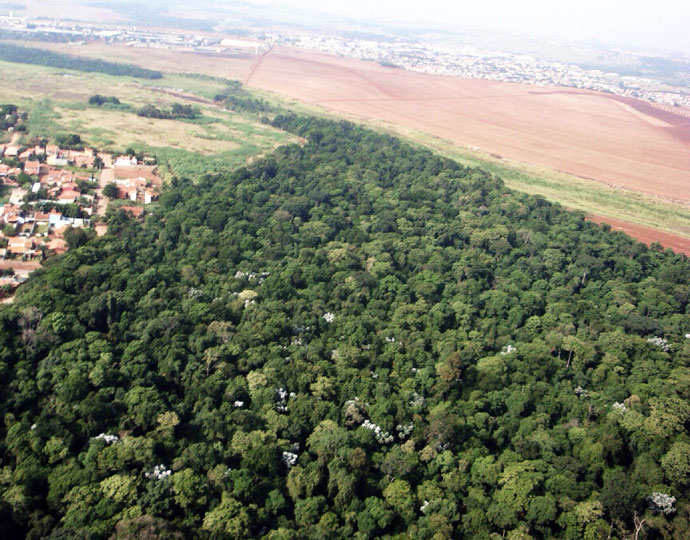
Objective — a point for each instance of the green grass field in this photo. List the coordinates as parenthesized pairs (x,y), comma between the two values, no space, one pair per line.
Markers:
(57,103)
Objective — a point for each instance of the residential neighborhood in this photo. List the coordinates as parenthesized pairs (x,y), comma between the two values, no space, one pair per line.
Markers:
(47,191)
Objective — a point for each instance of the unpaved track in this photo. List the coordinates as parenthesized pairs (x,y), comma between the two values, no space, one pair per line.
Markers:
(647,234)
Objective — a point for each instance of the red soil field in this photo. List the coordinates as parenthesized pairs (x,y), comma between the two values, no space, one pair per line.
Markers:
(647,234)
(618,141)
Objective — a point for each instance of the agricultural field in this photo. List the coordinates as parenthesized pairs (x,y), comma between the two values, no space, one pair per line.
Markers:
(583,133)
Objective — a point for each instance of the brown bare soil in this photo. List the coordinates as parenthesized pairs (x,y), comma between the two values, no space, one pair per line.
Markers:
(647,234)
(618,141)
(141,171)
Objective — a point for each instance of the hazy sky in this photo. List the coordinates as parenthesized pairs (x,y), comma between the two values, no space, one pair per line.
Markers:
(661,24)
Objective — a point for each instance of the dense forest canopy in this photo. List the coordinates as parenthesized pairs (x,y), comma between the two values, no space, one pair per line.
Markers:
(352,338)
(41,57)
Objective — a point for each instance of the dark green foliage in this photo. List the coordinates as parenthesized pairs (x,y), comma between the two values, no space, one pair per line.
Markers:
(8,109)
(110,191)
(71,141)
(29,55)
(8,116)
(521,371)
(77,237)
(236,98)
(176,112)
(99,100)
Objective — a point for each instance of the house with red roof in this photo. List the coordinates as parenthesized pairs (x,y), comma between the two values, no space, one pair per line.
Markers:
(32,167)
(127,192)
(68,196)
(21,247)
(57,245)
(135,211)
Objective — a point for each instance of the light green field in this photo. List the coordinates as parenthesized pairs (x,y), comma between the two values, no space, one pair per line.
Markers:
(57,103)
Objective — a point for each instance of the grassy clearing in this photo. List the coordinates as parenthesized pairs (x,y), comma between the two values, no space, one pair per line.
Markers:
(117,129)
(23,82)
(200,85)
(57,104)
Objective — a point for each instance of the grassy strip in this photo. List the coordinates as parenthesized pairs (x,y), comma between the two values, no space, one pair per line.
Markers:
(571,191)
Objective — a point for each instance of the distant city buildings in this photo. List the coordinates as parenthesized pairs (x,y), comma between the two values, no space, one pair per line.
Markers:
(474,63)
(456,61)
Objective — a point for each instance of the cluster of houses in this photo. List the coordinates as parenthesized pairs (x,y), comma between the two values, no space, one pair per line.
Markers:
(41,181)
(54,156)
(35,232)
(135,189)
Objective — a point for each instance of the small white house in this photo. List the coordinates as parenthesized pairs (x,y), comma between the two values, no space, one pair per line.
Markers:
(126,161)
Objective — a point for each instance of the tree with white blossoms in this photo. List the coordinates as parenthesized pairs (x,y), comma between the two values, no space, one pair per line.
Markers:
(659,342)
(109,439)
(404,430)
(281,405)
(289,459)
(159,472)
(661,502)
(581,392)
(382,437)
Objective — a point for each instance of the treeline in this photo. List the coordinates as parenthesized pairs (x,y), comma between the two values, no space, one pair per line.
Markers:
(49,37)
(99,100)
(176,112)
(351,338)
(28,55)
(236,98)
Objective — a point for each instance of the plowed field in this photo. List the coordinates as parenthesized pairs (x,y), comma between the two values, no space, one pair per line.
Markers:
(617,141)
